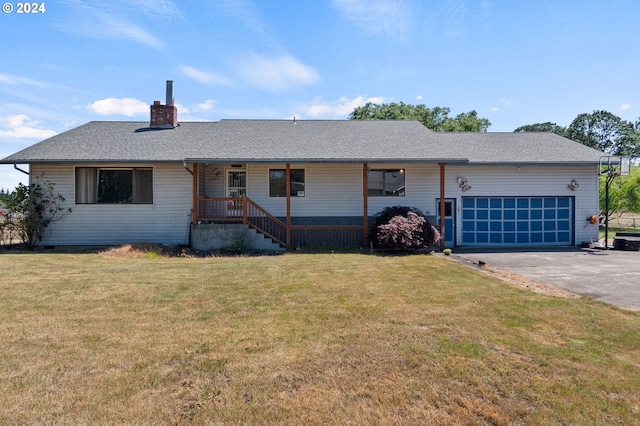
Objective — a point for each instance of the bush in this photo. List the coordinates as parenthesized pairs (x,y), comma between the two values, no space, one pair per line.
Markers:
(32,208)
(403,228)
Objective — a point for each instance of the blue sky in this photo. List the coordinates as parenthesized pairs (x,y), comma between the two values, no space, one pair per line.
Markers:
(515,62)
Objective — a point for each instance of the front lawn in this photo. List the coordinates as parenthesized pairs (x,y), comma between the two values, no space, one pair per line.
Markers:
(88,338)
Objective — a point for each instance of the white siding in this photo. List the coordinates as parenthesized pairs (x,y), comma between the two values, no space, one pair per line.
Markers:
(331,190)
(336,189)
(530,181)
(165,221)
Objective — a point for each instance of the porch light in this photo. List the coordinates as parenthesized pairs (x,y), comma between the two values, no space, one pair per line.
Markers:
(464,185)
(573,185)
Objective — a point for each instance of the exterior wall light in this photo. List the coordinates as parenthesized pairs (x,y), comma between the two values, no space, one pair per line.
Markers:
(573,185)
(464,185)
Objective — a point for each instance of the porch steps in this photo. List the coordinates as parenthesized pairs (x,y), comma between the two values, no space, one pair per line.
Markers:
(219,236)
(262,242)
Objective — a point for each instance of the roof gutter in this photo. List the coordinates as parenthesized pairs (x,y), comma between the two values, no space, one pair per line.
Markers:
(328,160)
(15,166)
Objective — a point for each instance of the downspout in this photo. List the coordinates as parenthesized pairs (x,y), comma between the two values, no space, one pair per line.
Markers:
(184,164)
(15,166)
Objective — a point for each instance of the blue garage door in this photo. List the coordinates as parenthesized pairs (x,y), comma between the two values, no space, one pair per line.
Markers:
(491,221)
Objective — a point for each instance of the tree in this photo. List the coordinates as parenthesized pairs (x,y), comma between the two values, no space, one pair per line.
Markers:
(606,132)
(32,208)
(542,127)
(624,194)
(467,122)
(436,119)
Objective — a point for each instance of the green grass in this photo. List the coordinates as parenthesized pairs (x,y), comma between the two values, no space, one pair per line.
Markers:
(303,339)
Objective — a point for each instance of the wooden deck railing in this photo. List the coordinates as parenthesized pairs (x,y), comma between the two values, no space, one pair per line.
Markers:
(227,209)
(244,210)
(260,219)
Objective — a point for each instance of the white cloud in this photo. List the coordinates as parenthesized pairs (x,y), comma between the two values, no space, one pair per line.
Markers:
(205,106)
(181,108)
(419,97)
(276,73)
(125,106)
(390,17)
(625,107)
(20,126)
(340,108)
(504,102)
(159,9)
(4,78)
(206,77)
(245,11)
(119,28)
(107,20)
(18,80)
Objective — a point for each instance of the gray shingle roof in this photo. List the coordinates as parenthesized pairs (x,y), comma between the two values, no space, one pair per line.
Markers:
(304,140)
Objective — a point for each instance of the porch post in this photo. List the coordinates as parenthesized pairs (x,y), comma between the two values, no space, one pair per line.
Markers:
(288,192)
(194,214)
(442,195)
(365,203)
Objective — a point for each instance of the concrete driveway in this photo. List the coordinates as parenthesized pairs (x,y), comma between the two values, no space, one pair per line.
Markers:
(611,276)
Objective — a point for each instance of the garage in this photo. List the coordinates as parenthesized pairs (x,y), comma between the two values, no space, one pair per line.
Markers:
(527,221)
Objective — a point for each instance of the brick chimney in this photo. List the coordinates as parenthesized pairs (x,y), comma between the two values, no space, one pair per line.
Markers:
(164,116)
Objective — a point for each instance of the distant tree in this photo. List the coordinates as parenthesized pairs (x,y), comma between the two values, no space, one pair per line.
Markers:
(542,127)
(606,132)
(436,119)
(467,122)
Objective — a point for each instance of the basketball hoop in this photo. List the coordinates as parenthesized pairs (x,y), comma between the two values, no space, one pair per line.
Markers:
(611,166)
(614,166)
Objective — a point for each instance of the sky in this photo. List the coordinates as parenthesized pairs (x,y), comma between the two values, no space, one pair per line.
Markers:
(515,62)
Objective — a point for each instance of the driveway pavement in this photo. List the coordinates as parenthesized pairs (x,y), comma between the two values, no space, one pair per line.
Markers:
(611,276)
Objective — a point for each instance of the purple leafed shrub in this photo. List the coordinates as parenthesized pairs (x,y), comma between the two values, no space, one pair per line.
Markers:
(402,232)
(404,228)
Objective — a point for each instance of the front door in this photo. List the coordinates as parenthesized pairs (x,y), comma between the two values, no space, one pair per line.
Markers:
(449,220)
(236,188)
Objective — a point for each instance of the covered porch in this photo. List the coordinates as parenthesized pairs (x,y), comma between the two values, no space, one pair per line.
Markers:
(221,196)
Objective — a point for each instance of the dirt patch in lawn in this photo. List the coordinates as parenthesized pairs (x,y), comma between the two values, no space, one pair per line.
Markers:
(139,250)
(143,250)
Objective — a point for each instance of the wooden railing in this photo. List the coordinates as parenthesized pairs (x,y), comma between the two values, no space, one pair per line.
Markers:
(244,210)
(323,236)
(260,219)
(227,209)
(220,209)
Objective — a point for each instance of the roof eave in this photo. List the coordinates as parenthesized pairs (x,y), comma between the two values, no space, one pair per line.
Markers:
(328,160)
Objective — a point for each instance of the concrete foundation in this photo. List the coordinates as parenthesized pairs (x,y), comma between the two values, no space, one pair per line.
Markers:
(208,237)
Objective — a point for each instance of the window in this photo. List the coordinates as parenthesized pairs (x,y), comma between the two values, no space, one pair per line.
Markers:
(114,186)
(278,183)
(386,183)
